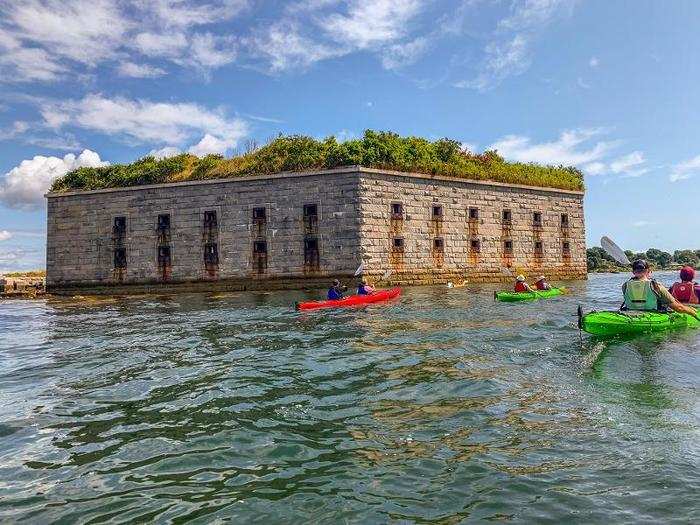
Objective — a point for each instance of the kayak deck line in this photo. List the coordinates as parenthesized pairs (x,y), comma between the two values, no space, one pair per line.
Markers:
(512,297)
(618,322)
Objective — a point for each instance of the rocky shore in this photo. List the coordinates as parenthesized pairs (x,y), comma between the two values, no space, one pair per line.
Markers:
(19,285)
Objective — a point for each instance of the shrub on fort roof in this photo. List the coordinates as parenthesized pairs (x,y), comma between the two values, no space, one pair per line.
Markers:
(376,149)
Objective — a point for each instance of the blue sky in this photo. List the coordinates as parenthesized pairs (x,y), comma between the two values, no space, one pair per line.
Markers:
(611,87)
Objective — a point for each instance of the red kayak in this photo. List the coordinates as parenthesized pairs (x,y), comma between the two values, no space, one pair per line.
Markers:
(353,300)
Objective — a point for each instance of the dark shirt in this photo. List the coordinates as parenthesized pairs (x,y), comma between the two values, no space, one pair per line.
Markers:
(334,293)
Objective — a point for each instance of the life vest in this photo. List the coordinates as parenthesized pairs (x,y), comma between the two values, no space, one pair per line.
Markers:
(520,287)
(542,285)
(685,292)
(640,295)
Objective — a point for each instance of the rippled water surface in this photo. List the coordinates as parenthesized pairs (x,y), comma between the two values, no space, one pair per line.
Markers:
(442,407)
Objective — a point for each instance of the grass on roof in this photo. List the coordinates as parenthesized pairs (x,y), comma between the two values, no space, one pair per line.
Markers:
(376,149)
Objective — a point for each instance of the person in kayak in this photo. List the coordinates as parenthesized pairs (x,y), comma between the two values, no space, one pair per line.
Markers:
(542,284)
(336,291)
(520,285)
(364,289)
(686,290)
(642,293)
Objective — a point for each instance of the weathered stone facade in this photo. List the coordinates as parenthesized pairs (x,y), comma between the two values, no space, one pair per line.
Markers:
(300,229)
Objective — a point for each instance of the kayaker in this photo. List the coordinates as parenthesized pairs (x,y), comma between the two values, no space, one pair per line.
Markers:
(642,293)
(686,290)
(542,284)
(520,285)
(336,291)
(364,289)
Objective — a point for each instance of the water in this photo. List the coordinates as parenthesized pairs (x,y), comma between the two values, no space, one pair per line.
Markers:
(444,407)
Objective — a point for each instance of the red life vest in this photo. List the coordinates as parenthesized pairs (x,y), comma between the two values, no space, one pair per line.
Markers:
(685,292)
(541,285)
(520,287)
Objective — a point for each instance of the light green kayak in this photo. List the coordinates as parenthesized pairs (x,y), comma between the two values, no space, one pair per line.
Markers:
(616,322)
(512,297)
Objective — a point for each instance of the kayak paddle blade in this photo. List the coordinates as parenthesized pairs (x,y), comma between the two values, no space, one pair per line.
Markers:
(360,269)
(613,250)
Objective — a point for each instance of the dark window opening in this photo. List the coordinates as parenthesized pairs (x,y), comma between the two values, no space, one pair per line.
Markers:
(311,254)
(396,210)
(564,220)
(163,222)
(507,217)
(437,211)
(260,247)
(210,220)
(507,246)
(473,214)
(119,226)
(397,244)
(259,215)
(164,256)
(120,258)
(310,218)
(211,253)
(566,248)
(537,218)
(439,245)
(475,245)
(538,248)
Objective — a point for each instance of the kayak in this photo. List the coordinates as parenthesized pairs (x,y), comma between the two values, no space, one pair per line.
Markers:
(619,322)
(353,300)
(512,297)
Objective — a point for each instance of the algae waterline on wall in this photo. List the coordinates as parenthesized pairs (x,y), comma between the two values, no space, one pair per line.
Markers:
(381,150)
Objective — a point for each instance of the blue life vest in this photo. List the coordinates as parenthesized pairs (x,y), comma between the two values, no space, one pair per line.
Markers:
(334,295)
(361,290)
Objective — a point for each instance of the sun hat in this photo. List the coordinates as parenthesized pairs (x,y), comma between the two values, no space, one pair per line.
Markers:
(520,278)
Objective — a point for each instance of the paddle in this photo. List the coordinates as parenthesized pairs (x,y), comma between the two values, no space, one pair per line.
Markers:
(360,269)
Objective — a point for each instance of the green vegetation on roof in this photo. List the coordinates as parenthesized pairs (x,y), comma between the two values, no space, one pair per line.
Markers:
(376,149)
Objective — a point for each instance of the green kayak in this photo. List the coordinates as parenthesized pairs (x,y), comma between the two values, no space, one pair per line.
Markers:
(616,322)
(512,297)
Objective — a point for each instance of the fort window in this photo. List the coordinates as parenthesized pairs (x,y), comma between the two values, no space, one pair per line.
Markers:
(260,247)
(537,218)
(164,256)
(538,248)
(507,217)
(163,222)
(396,211)
(119,226)
(397,244)
(210,220)
(437,211)
(508,247)
(259,215)
(311,253)
(475,246)
(211,254)
(260,256)
(439,245)
(473,214)
(310,218)
(120,258)
(566,248)
(564,220)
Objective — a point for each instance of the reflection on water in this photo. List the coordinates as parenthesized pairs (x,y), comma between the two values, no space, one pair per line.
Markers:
(442,407)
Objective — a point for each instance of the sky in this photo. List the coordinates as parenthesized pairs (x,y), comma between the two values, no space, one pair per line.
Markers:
(609,87)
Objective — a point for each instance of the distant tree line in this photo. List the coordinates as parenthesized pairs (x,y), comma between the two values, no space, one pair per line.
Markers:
(599,261)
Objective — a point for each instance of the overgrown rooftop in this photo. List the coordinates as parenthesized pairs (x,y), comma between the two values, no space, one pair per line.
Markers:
(383,150)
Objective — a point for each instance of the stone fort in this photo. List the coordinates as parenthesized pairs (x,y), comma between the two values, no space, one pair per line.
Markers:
(295,230)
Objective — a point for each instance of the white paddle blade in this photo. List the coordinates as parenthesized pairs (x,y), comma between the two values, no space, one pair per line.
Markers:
(360,269)
(613,250)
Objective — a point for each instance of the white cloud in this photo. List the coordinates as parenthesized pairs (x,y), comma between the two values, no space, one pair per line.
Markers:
(572,148)
(161,44)
(401,55)
(144,121)
(509,51)
(371,22)
(211,145)
(17,128)
(594,62)
(209,51)
(472,147)
(630,165)
(685,170)
(164,153)
(24,186)
(183,14)
(21,64)
(5,235)
(595,168)
(130,69)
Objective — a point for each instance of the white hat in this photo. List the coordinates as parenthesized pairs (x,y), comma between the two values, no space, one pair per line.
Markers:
(520,278)
(540,278)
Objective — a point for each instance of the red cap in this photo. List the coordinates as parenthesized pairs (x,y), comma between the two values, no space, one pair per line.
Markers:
(687,273)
